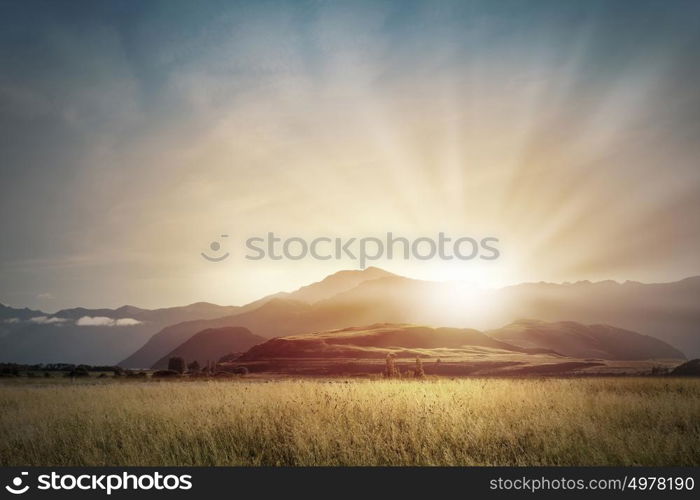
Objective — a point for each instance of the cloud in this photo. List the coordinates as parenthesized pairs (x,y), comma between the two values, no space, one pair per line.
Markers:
(127,322)
(45,296)
(105,321)
(94,321)
(45,320)
(11,320)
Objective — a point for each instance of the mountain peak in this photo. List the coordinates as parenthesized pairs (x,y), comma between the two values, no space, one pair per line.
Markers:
(338,282)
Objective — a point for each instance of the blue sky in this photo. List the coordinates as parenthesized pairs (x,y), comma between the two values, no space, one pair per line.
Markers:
(131,132)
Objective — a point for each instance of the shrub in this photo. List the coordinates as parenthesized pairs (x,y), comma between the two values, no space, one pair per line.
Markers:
(79,371)
(239,370)
(9,372)
(659,370)
(166,373)
(194,366)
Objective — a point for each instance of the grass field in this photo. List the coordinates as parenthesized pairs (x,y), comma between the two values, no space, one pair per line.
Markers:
(590,421)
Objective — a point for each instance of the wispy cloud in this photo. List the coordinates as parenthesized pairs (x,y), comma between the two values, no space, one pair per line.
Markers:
(46,320)
(126,322)
(105,321)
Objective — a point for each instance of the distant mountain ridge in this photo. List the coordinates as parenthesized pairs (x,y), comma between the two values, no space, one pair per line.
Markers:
(11,313)
(166,314)
(92,336)
(666,311)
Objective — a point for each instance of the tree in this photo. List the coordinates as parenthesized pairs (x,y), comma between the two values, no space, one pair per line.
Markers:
(194,366)
(177,364)
(419,373)
(390,370)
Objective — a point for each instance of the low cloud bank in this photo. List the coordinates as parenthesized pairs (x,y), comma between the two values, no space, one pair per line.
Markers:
(83,321)
(105,321)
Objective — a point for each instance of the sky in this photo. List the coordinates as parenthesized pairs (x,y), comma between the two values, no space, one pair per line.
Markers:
(133,134)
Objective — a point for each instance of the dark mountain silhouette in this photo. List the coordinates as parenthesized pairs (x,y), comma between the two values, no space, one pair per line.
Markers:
(8,314)
(212,344)
(576,340)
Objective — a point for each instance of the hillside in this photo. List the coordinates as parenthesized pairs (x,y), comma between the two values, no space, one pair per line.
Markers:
(212,344)
(576,340)
(362,351)
(374,341)
(667,311)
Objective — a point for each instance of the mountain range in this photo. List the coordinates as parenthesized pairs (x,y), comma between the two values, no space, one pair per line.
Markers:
(665,316)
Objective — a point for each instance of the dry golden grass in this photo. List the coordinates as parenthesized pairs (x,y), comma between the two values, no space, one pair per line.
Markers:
(627,421)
